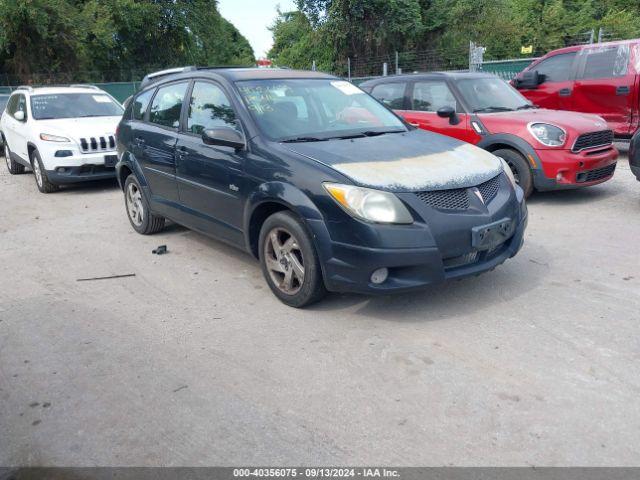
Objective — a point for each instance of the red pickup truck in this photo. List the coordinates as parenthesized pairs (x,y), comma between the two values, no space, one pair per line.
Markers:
(601,78)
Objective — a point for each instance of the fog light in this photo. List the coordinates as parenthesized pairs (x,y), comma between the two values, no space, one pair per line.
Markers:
(63,153)
(379,276)
(61,169)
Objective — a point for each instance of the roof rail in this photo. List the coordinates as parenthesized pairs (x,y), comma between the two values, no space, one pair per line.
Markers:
(25,87)
(83,85)
(152,77)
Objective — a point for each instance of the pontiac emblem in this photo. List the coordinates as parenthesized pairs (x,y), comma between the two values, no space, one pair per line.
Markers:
(478,194)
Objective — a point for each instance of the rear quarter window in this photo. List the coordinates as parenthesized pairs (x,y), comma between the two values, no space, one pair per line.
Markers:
(140,104)
(605,62)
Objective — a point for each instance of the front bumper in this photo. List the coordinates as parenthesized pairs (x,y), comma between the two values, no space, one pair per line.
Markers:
(347,267)
(563,169)
(79,167)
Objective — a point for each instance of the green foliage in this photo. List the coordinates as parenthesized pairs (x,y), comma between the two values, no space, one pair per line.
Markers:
(114,37)
(329,31)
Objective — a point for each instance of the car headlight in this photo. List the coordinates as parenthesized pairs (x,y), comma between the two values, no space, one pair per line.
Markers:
(508,172)
(53,138)
(368,204)
(547,134)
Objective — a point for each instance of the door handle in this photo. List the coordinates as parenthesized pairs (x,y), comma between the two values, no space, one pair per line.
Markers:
(182,152)
(565,92)
(623,90)
(139,141)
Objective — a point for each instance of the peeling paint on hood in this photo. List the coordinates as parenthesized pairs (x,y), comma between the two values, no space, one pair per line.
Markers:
(412,161)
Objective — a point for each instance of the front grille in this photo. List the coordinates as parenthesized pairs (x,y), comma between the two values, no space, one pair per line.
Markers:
(455,199)
(489,189)
(595,174)
(458,198)
(97,144)
(592,140)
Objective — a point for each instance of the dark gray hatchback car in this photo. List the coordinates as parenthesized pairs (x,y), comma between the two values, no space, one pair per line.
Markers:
(315,178)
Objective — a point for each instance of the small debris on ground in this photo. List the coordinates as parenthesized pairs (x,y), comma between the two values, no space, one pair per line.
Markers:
(161,250)
(106,278)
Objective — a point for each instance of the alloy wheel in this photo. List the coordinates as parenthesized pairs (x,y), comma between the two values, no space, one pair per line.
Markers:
(135,208)
(514,170)
(284,260)
(37,172)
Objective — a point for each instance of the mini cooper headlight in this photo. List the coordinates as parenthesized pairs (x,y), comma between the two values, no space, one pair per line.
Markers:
(369,204)
(53,138)
(547,134)
(508,172)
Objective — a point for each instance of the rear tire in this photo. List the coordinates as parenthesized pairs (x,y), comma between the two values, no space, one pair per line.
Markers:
(138,210)
(40,174)
(14,168)
(289,261)
(519,167)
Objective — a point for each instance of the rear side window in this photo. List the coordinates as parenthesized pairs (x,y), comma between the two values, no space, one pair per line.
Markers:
(209,107)
(605,62)
(556,68)
(391,94)
(167,104)
(140,104)
(431,96)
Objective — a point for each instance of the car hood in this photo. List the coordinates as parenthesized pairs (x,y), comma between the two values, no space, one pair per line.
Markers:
(411,161)
(574,121)
(77,128)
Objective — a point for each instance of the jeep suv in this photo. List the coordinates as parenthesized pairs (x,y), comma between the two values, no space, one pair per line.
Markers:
(324,185)
(64,134)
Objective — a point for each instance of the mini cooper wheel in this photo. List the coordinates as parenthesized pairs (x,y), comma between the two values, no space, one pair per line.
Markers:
(289,261)
(40,174)
(14,167)
(138,212)
(519,167)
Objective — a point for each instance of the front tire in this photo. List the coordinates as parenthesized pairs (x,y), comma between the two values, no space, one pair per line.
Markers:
(139,213)
(14,168)
(519,167)
(289,261)
(42,181)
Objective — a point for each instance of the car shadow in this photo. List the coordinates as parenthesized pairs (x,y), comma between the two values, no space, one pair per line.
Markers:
(94,186)
(574,196)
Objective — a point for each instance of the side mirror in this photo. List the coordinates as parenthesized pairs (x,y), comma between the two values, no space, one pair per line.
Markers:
(19,115)
(450,113)
(225,137)
(529,80)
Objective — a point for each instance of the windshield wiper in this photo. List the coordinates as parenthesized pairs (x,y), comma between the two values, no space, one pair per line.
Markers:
(303,139)
(494,109)
(366,133)
(526,106)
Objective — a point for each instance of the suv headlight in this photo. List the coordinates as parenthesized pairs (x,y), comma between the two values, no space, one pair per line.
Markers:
(368,204)
(508,172)
(53,138)
(547,134)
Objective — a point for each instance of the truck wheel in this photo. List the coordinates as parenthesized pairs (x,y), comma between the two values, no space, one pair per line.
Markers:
(42,181)
(519,167)
(139,213)
(14,168)
(289,261)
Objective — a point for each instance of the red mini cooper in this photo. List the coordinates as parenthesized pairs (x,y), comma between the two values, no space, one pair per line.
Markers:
(546,149)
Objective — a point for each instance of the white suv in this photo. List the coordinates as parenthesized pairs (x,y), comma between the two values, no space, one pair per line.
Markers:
(64,134)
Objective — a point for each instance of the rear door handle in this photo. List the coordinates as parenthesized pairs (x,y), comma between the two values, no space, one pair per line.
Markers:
(182,152)
(623,90)
(564,92)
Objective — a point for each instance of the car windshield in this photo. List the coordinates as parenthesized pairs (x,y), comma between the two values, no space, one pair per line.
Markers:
(491,95)
(306,110)
(73,105)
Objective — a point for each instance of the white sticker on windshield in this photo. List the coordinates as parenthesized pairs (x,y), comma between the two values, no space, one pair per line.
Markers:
(346,87)
(101,98)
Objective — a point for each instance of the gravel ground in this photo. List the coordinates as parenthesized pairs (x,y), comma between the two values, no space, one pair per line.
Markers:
(194,362)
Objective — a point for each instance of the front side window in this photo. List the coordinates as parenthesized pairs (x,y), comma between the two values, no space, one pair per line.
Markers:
(490,95)
(73,105)
(429,96)
(12,104)
(556,68)
(605,62)
(209,107)
(391,94)
(140,104)
(167,105)
(308,109)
